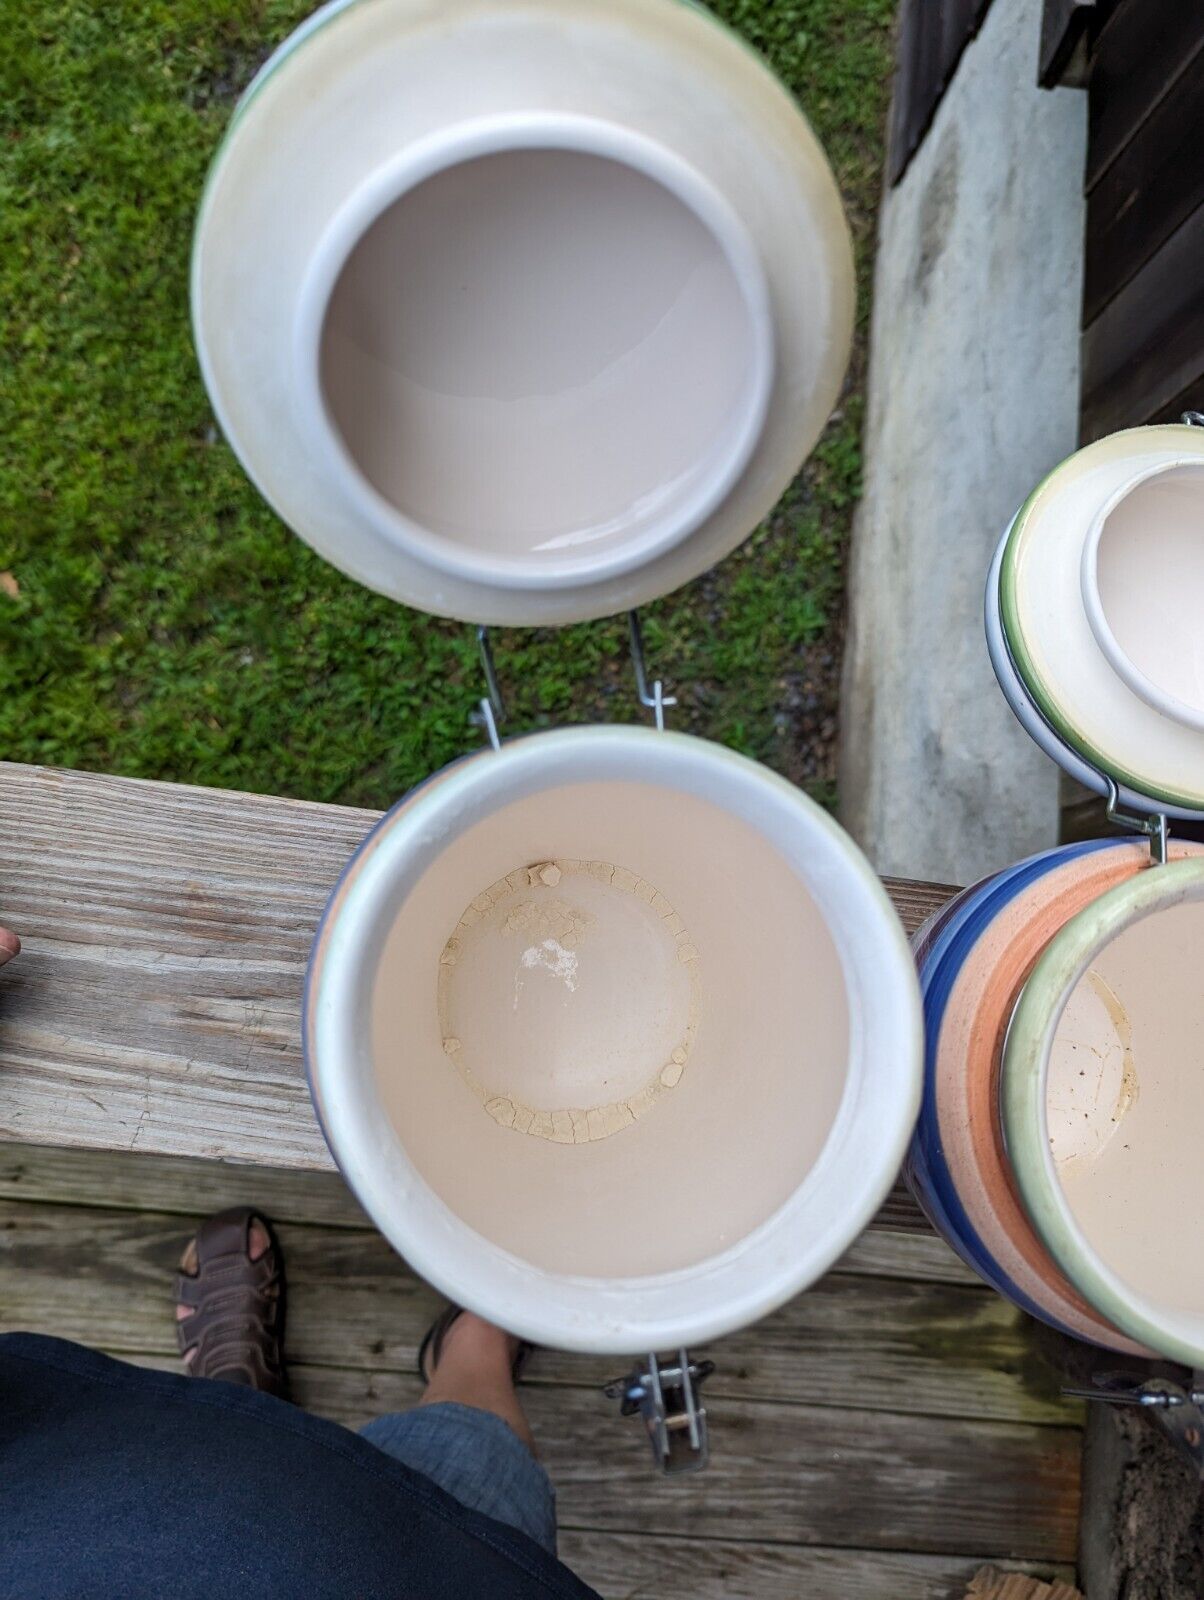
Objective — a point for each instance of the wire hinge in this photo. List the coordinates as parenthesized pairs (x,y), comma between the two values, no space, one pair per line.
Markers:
(1156,828)
(1176,1411)
(665,1393)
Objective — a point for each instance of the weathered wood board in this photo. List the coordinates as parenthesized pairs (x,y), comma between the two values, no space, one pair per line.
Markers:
(855,1339)
(637,1567)
(156,1004)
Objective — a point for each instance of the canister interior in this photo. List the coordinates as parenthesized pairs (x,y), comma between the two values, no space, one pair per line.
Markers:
(1150,577)
(1125,1104)
(611,1029)
(543,358)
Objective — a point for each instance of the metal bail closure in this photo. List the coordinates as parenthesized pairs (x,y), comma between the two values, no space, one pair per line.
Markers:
(1155,828)
(1177,1411)
(666,1396)
(655,699)
(491,709)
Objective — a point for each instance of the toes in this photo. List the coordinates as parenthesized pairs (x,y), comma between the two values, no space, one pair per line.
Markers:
(257,1240)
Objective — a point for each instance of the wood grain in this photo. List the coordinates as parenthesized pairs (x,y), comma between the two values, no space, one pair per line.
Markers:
(930,38)
(156,1005)
(156,1002)
(793,1475)
(1149,190)
(1137,59)
(636,1567)
(899,1243)
(868,1342)
(1147,345)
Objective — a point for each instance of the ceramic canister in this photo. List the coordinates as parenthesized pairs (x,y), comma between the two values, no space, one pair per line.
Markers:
(1103,1098)
(1092,617)
(615,1035)
(971,981)
(521,311)
(1074,1001)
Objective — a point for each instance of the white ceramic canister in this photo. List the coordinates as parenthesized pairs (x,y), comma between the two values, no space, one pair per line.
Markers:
(616,1036)
(521,311)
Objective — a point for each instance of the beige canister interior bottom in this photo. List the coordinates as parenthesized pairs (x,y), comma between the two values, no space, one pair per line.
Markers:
(610,1029)
(527,987)
(1125,1102)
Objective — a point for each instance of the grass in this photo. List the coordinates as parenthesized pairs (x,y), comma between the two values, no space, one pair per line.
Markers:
(156,619)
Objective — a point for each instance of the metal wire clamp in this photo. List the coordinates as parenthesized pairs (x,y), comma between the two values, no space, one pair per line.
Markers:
(491,708)
(1156,829)
(1175,1411)
(666,1396)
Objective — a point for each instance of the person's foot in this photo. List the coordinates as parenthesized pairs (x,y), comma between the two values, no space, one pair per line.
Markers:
(10,945)
(467,1361)
(230,1303)
(463,1337)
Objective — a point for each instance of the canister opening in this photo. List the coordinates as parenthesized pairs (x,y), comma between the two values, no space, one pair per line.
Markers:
(1124,1106)
(610,1028)
(543,352)
(1143,579)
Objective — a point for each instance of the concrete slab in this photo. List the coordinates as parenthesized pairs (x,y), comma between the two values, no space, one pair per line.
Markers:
(973,396)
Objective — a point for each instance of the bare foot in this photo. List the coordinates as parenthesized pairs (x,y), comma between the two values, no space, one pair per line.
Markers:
(10,945)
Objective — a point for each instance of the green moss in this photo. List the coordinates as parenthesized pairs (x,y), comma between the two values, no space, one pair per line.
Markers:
(166,624)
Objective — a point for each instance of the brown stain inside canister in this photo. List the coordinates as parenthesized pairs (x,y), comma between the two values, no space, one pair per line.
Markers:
(527,986)
(1134,1178)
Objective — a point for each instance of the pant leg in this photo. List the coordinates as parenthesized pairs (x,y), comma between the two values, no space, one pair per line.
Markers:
(476,1457)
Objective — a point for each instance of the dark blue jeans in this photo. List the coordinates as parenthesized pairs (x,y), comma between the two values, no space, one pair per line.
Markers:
(117,1482)
(475,1457)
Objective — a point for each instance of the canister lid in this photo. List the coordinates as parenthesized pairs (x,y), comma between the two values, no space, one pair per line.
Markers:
(521,312)
(1093,608)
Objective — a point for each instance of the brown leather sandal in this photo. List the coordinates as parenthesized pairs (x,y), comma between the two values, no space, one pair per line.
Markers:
(432,1346)
(236,1328)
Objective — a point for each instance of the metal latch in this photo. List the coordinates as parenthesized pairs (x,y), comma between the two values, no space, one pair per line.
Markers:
(491,710)
(1177,1411)
(665,1393)
(1155,828)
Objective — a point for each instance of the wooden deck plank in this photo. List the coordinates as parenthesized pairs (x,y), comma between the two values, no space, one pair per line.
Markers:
(1138,58)
(899,1243)
(156,1006)
(802,1475)
(638,1567)
(857,1480)
(870,1343)
(1147,345)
